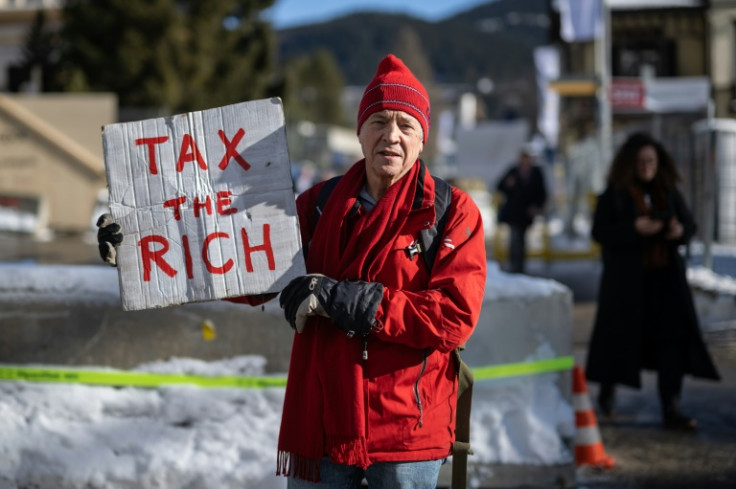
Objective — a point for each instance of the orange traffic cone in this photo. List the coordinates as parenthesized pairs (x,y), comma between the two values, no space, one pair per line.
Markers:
(588,445)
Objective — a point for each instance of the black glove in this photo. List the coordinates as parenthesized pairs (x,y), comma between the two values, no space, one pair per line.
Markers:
(109,235)
(351,305)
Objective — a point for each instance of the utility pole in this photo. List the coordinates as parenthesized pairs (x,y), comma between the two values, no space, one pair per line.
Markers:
(603,68)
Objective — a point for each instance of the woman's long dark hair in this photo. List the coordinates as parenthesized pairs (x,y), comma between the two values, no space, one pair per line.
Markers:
(623,168)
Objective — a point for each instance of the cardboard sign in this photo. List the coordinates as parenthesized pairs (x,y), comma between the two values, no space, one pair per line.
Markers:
(206,205)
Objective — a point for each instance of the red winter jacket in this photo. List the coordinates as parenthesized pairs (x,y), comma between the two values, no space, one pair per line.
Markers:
(410,378)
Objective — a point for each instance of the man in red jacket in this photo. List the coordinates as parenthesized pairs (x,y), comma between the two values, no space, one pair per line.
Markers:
(372,384)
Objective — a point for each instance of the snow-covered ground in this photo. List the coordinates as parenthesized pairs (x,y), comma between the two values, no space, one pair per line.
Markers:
(58,436)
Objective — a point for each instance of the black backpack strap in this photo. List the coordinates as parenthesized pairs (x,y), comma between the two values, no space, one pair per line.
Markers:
(430,239)
(323,196)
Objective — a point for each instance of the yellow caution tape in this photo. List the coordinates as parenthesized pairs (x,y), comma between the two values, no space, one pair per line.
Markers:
(523,368)
(132,379)
(121,378)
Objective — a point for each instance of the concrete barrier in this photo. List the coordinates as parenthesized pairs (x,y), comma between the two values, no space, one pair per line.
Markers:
(71,315)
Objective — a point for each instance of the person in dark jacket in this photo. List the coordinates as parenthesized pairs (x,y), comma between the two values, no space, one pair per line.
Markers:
(646,317)
(525,194)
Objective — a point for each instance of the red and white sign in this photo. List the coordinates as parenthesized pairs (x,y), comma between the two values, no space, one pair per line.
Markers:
(206,204)
(627,94)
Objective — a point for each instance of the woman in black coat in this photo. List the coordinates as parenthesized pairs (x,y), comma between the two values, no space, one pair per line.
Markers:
(646,317)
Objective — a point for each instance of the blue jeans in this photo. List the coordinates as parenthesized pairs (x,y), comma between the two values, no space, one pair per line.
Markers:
(382,475)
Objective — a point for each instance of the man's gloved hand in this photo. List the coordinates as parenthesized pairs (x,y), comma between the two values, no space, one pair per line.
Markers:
(300,298)
(351,304)
(109,235)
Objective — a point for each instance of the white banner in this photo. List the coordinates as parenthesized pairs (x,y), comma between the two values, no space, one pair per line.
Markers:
(547,61)
(580,20)
(677,94)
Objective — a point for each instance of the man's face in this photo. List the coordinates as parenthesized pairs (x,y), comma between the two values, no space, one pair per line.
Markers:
(391,141)
(525,161)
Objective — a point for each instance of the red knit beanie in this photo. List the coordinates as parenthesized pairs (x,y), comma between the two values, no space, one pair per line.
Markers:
(396,88)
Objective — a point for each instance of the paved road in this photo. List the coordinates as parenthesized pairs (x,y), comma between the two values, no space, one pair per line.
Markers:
(647,456)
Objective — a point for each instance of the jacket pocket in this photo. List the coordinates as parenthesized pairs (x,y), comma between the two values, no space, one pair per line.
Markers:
(417,391)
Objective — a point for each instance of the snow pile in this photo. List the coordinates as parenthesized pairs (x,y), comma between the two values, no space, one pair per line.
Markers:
(538,434)
(23,282)
(705,279)
(74,436)
(501,433)
(501,285)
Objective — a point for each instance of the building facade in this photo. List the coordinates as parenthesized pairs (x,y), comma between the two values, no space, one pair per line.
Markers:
(51,164)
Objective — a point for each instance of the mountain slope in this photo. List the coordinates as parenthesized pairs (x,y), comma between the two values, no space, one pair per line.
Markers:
(494,40)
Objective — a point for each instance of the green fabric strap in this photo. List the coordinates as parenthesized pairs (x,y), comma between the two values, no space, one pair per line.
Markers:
(461,447)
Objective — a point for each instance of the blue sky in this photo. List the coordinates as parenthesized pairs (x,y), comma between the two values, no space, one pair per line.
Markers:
(287,13)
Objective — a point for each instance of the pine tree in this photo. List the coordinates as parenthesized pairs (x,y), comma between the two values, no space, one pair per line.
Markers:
(37,64)
(312,89)
(171,55)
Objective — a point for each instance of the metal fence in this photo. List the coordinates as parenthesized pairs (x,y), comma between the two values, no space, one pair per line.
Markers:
(715,201)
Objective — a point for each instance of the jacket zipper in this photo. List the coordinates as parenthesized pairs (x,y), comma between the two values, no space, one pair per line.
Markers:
(416,389)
